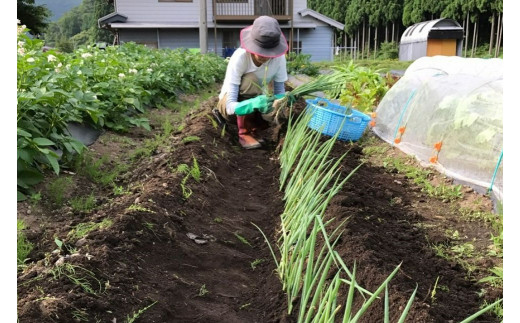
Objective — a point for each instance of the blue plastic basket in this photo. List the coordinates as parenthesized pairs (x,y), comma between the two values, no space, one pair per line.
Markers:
(327,117)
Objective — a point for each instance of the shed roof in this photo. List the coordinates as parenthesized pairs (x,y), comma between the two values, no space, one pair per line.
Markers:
(111,18)
(320,17)
(419,32)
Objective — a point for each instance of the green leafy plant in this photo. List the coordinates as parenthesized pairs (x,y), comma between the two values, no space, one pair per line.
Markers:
(203,291)
(82,229)
(58,188)
(301,64)
(79,276)
(188,139)
(256,262)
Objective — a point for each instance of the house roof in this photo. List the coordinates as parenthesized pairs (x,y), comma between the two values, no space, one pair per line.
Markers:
(420,31)
(154,25)
(320,17)
(111,18)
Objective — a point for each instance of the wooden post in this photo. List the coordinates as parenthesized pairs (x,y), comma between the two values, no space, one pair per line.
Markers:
(467,35)
(203,28)
(491,37)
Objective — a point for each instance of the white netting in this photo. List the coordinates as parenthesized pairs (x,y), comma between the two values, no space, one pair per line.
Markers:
(454,101)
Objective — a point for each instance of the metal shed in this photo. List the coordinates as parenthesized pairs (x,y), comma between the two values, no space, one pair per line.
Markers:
(429,38)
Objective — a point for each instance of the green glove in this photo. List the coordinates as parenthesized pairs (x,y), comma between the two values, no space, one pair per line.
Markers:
(258,103)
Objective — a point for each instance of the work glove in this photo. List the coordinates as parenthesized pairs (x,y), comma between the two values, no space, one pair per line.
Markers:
(259,103)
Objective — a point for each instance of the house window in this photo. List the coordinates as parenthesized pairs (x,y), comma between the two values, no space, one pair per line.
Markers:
(175,0)
(296,47)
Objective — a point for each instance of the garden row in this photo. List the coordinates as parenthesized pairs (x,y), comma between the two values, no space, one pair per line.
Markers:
(103,88)
(309,179)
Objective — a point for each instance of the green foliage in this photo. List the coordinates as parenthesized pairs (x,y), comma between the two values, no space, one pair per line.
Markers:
(83,203)
(23,246)
(301,64)
(82,229)
(360,87)
(188,139)
(388,50)
(78,26)
(105,88)
(33,16)
(57,188)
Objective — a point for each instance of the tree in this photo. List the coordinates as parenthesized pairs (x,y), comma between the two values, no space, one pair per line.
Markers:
(33,16)
(80,24)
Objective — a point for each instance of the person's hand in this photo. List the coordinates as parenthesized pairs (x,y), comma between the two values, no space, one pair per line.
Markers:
(249,106)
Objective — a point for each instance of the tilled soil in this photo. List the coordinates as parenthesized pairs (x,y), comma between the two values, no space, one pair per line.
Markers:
(169,257)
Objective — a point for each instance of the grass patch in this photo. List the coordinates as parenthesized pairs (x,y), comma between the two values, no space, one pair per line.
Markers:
(188,139)
(57,188)
(99,171)
(23,246)
(83,203)
(81,230)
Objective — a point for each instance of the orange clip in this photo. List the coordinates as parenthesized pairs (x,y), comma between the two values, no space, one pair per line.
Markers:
(373,115)
(438,146)
(397,140)
(402,129)
(372,123)
(433,159)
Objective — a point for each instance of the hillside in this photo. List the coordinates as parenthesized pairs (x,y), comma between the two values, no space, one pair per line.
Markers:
(58,7)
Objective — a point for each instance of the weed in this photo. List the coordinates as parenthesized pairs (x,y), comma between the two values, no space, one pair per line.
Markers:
(79,276)
(189,139)
(35,198)
(81,230)
(256,262)
(119,190)
(83,203)
(243,307)
(464,250)
(149,225)
(195,170)
(136,315)
(80,316)
(203,291)
(57,189)
(434,291)
(496,279)
(223,132)
(217,220)
(137,207)
(23,246)
(213,121)
(167,128)
(99,171)
(497,310)
(242,239)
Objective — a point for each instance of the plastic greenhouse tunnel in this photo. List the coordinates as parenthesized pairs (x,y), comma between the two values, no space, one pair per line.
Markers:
(447,112)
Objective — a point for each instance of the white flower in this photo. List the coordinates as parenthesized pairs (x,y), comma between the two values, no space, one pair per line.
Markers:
(51,58)
(67,66)
(21,43)
(121,75)
(85,55)
(79,72)
(132,70)
(149,70)
(57,70)
(18,21)
(21,51)
(60,65)
(30,59)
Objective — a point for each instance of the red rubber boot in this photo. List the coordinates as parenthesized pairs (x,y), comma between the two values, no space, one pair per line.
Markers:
(244,135)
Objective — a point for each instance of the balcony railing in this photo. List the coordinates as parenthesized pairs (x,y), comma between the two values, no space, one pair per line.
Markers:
(248,10)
